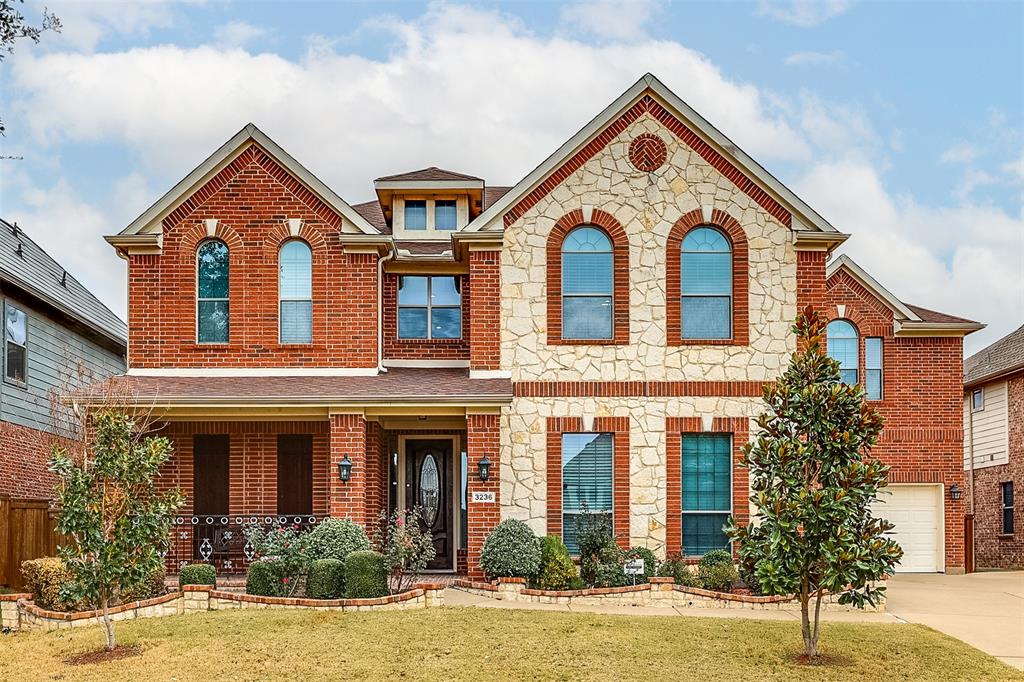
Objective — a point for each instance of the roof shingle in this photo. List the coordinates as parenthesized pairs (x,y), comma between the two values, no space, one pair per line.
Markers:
(1002,357)
(431,173)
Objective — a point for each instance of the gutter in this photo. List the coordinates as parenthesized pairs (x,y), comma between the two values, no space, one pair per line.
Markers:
(381,369)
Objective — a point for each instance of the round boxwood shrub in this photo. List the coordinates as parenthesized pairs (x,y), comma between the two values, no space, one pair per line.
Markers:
(557,571)
(263,579)
(715,556)
(718,577)
(326,579)
(366,575)
(197,574)
(510,551)
(45,578)
(336,539)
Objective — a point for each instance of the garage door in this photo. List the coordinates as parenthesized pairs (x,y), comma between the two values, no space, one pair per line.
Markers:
(914,510)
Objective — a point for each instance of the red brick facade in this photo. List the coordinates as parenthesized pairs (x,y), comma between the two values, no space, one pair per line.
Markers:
(620,274)
(483,439)
(740,279)
(23,472)
(484,310)
(992,547)
(420,349)
(675,427)
(619,428)
(922,439)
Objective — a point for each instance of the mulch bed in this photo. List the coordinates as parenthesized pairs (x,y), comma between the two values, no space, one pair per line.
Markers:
(104,656)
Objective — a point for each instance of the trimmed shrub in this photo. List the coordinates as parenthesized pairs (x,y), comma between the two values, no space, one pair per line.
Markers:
(46,579)
(326,579)
(264,579)
(675,567)
(152,586)
(715,556)
(557,571)
(718,577)
(366,575)
(197,574)
(510,551)
(336,539)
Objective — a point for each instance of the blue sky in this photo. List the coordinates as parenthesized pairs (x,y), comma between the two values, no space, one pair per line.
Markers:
(902,123)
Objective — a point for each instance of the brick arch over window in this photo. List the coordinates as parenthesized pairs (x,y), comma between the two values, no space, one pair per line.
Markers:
(620,277)
(195,235)
(279,234)
(740,279)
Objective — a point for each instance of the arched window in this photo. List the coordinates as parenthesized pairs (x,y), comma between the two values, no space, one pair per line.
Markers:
(212,312)
(706,285)
(587,283)
(842,347)
(295,266)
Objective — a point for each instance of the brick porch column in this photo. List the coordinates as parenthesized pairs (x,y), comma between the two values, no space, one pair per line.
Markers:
(483,437)
(348,437)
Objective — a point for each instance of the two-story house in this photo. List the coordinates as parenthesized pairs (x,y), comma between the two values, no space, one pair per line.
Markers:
(596,336)
(57,336)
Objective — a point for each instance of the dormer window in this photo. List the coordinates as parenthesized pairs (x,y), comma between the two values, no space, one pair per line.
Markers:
(445,215)
(415,214)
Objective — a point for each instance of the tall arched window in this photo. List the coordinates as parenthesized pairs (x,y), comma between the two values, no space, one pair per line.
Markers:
(587,283)
(295,265)
(706,285)
(212,312)
(842,347)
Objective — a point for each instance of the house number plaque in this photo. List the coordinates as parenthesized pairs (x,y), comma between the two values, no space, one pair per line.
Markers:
(483,497)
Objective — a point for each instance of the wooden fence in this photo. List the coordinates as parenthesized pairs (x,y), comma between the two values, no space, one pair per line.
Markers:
(26,532)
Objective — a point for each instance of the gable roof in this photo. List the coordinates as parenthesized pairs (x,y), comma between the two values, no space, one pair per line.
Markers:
(998,359)
(909,319)
(804,217)
(431,173)
(149,221)
(38,274)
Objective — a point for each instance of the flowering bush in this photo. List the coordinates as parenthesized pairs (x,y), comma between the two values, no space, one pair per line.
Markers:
(406,544)
(287,548)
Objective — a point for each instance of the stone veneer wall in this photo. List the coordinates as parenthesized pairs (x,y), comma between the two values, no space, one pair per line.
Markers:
(647,205)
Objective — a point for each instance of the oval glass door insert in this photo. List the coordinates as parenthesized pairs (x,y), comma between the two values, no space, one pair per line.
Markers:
(430,490)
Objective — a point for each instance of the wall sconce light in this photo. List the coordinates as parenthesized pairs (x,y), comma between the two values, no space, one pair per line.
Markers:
(483,469)
(344,469)
(954,492)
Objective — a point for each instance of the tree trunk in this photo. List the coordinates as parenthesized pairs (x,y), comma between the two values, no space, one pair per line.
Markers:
(817,620)
(108,624)
(810,637)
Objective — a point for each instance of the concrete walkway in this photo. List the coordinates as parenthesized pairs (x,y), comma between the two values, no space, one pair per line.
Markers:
(454,597)
(986,610)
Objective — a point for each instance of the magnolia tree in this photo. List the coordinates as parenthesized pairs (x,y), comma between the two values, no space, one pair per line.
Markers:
(118,522)
(813,481)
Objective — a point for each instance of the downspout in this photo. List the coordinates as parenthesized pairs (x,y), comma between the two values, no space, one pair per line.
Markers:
(381,369)
(970,454)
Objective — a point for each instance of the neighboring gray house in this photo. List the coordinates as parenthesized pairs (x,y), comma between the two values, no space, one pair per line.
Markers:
(56,334)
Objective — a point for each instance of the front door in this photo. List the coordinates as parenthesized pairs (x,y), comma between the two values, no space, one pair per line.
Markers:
(428,484)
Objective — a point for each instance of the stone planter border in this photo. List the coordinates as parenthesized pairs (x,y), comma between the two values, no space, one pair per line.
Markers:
(18,612)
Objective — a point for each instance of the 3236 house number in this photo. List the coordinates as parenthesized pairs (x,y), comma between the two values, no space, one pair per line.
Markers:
(483,497)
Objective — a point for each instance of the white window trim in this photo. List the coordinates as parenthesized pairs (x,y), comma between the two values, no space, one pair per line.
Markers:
(981,393)
(431,232)
(8,379)
(282,299)
(732,483)
(429,307)
(880,369)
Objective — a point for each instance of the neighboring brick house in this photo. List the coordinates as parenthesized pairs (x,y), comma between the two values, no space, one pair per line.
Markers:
(994,450)
(56,335)
(597,335)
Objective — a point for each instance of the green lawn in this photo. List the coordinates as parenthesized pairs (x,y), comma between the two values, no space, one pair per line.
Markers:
(467,643)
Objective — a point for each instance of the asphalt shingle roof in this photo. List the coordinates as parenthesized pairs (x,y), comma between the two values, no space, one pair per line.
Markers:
(1003,356)
(26,265)
(431,173)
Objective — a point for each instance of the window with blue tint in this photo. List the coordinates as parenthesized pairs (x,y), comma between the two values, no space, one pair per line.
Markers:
(587,284)
(873,367)
(842,347)
(445,216)
(706,285)
(295,290)
(586,480)
(212,310)
(415,214)
(429,307)
(706,491)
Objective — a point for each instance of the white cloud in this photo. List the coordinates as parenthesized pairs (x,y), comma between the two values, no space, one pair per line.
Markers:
(959,152)
(237,34)
(815,58)
(86,23)
(622,21)
(1015,168)
(805,13)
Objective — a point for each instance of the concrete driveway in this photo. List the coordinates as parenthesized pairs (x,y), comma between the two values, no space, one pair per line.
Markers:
(986,610)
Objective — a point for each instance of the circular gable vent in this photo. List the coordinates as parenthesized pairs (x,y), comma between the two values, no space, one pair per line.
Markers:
(648,152)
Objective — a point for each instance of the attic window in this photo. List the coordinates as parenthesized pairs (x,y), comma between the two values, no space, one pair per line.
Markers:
(415,214)
(445,217)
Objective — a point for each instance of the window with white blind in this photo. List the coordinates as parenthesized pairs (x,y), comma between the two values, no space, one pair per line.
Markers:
(587,284)
(706,285)
(842,347)
(586,480)
(295,263)
(706,491)
(445,214)
(415,214)
(873,367)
